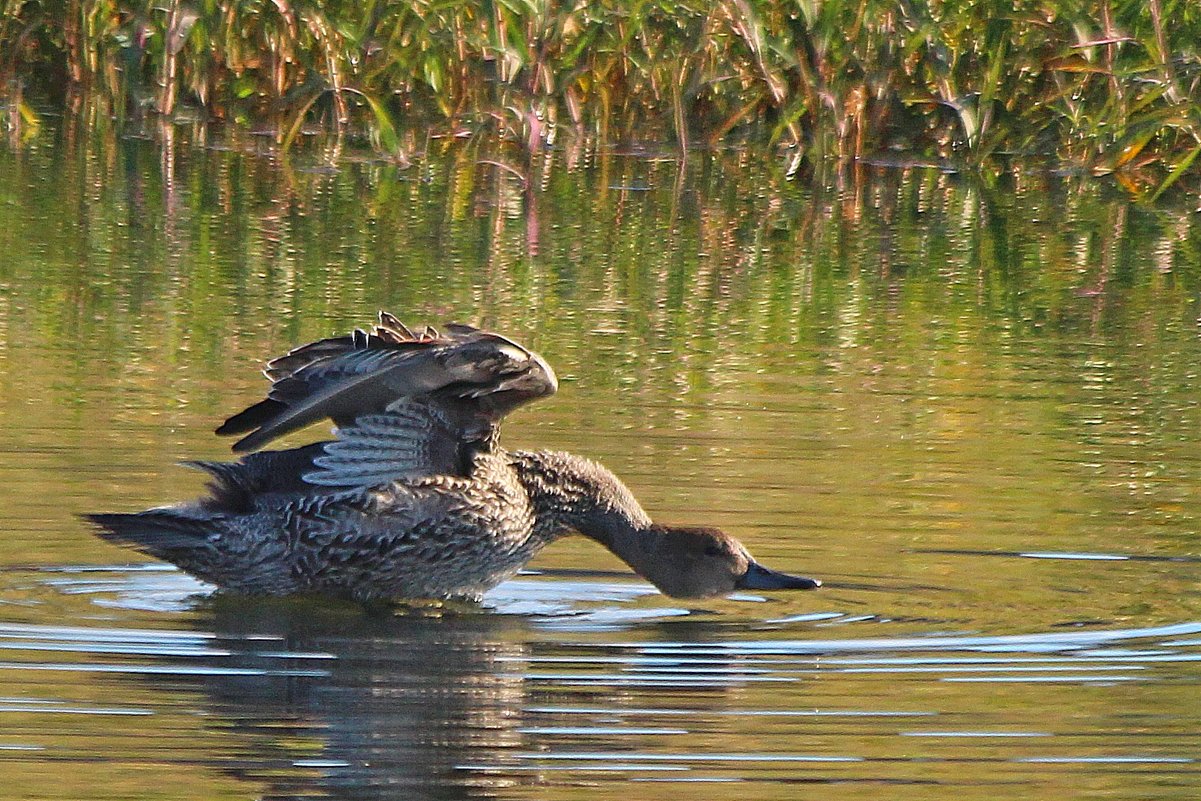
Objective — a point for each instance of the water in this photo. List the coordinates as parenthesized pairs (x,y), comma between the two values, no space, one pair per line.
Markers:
(971,409)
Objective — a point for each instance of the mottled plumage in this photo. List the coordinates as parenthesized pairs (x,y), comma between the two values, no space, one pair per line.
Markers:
(415,498)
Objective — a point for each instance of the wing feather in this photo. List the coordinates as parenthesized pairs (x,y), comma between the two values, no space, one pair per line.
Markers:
(411,440)
(472,377)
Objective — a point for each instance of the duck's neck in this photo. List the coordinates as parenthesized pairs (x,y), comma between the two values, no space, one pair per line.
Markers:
(570,492)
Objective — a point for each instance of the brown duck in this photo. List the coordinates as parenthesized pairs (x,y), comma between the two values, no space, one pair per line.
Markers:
(415,497)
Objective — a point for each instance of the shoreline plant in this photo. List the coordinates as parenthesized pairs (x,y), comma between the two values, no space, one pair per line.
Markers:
(1106,87)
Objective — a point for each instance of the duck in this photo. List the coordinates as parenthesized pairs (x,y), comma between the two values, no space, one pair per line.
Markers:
(414,497)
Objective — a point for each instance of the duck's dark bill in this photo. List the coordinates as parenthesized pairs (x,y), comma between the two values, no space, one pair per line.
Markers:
(758,577)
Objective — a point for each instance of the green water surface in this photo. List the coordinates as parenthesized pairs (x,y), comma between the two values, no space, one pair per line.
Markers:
(969,405)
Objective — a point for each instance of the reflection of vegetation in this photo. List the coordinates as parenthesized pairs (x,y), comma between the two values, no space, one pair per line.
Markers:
(628,262)
(1110,86)
(137,227)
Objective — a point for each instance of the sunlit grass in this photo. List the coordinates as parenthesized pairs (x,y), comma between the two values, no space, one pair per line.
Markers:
(1109,87)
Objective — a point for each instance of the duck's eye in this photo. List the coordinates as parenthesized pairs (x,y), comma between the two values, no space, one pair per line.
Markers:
(713,550)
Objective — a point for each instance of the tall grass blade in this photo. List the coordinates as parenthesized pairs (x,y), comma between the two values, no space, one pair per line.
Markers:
(1179,170)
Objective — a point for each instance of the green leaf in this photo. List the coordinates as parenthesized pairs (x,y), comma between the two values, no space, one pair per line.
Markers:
(1175,174)
(383,124)
(433,71)
(244,86)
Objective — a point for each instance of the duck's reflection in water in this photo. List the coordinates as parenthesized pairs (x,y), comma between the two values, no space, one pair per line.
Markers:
(338,703)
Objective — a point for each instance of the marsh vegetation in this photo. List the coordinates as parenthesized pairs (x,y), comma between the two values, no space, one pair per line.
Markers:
(1104,88)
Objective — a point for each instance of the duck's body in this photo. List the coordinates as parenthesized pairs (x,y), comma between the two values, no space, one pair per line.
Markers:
(416,498)
(430,537)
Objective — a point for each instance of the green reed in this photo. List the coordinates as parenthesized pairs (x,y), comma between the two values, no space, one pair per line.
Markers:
(1107,87)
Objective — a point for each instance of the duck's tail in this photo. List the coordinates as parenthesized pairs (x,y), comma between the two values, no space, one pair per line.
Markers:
(162,533)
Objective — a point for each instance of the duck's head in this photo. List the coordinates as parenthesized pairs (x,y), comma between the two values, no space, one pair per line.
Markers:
(701,562)
(569,492)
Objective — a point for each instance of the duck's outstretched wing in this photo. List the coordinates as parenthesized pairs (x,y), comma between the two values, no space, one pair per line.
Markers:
(410,440)
(472,377)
